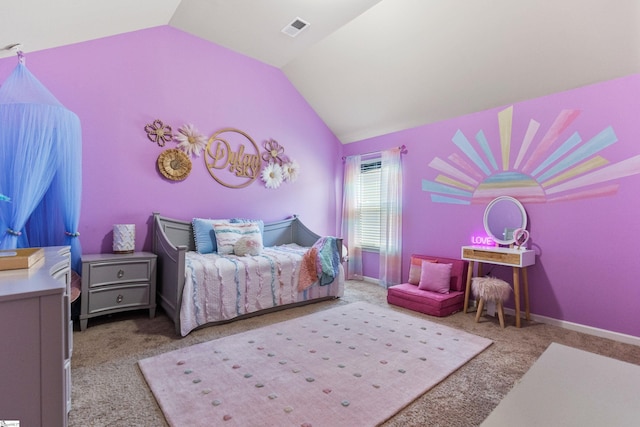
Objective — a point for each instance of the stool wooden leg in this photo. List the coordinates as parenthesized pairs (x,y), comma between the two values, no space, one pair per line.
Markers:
(501,313)
(479,312)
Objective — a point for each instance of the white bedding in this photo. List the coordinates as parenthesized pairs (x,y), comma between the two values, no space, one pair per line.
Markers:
(222,287)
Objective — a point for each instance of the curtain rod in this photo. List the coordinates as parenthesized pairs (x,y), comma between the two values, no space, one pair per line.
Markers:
(403,150)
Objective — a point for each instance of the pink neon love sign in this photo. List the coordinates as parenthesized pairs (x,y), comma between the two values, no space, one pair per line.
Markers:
(482,240)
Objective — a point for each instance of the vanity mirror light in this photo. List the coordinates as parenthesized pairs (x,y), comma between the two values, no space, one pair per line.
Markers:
(502,217)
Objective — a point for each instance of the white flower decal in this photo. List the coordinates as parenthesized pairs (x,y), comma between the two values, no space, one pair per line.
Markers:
(290,171)
(190,140)
(272,175)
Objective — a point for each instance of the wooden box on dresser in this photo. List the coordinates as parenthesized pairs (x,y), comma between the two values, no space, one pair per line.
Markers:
(36,333)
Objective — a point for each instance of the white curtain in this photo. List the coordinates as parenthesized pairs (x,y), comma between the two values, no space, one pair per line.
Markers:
(391,217)
(350,216)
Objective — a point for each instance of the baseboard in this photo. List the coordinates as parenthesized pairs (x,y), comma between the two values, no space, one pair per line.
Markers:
(371,280)
(589,330)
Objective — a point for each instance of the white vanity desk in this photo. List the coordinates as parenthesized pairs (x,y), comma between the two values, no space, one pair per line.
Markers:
(519,259)
(505,221)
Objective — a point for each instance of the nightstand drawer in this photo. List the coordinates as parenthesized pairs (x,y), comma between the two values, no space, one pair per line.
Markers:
(101,274)
(118,297)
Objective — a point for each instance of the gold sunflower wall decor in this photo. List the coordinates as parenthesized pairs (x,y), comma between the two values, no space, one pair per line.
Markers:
(174,164)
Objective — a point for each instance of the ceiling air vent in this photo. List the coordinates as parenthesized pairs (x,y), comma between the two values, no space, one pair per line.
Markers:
(295,27)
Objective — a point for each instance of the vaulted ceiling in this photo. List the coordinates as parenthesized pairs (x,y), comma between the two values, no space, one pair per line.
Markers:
(370,67)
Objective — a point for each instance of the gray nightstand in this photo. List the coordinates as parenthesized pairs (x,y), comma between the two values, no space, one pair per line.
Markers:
(112,283)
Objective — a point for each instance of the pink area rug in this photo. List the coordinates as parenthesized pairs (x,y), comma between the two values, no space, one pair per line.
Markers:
(353,365)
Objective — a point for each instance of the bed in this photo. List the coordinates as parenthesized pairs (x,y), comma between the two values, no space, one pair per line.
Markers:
(239,286)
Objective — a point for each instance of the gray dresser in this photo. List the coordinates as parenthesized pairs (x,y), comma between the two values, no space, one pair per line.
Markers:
(36,333)
(113,283)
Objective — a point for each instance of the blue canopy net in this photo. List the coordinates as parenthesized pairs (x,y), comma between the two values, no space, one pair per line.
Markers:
(40,167)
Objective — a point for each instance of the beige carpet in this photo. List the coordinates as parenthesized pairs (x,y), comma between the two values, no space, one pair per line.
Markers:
(109,389)
(352,365)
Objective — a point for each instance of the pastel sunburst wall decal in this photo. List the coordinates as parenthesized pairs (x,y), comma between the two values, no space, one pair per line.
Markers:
(545,169)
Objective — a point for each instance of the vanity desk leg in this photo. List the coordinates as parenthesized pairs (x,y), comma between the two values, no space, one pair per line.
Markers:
(516,293)
(467,290)
(525,284)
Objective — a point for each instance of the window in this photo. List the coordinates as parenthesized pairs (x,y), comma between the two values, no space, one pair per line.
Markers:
(369,214)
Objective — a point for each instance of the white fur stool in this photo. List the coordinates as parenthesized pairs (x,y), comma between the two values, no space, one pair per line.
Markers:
(490,289)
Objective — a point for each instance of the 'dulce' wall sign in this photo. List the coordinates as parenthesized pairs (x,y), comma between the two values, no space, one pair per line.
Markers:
(232,158)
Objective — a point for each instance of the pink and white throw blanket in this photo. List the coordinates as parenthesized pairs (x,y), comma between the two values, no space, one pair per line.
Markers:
(223,287)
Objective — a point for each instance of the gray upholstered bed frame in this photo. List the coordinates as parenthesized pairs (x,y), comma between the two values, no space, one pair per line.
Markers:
(172,238)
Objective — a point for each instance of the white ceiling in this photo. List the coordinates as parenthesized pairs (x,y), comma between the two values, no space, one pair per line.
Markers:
(370,67)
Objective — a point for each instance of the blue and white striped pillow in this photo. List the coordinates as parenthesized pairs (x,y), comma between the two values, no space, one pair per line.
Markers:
(227,234)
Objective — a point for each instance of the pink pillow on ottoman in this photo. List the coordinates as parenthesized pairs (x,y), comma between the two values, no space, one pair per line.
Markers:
(415,269)
(435,277)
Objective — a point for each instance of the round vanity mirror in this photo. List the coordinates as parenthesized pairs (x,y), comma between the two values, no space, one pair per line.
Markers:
(502,217)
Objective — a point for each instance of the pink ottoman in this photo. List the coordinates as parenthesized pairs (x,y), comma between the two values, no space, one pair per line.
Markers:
(409,296)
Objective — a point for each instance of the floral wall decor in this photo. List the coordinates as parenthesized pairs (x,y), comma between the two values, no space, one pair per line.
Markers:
(279,168)
(172,163)
(231,156)
(190,140)
(272,175)
(158,132)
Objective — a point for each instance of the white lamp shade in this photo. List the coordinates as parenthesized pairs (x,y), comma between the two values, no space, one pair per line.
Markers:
(124,238)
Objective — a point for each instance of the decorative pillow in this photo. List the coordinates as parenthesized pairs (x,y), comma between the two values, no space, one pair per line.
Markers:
(227,234)
(244,220)
(248,245)
(415,269)
(204,235)
(435,277)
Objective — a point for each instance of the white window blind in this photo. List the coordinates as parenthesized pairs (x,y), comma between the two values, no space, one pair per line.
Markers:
(370,204)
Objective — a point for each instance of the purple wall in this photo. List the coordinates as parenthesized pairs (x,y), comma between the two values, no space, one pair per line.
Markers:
(588,260)
(117,85)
